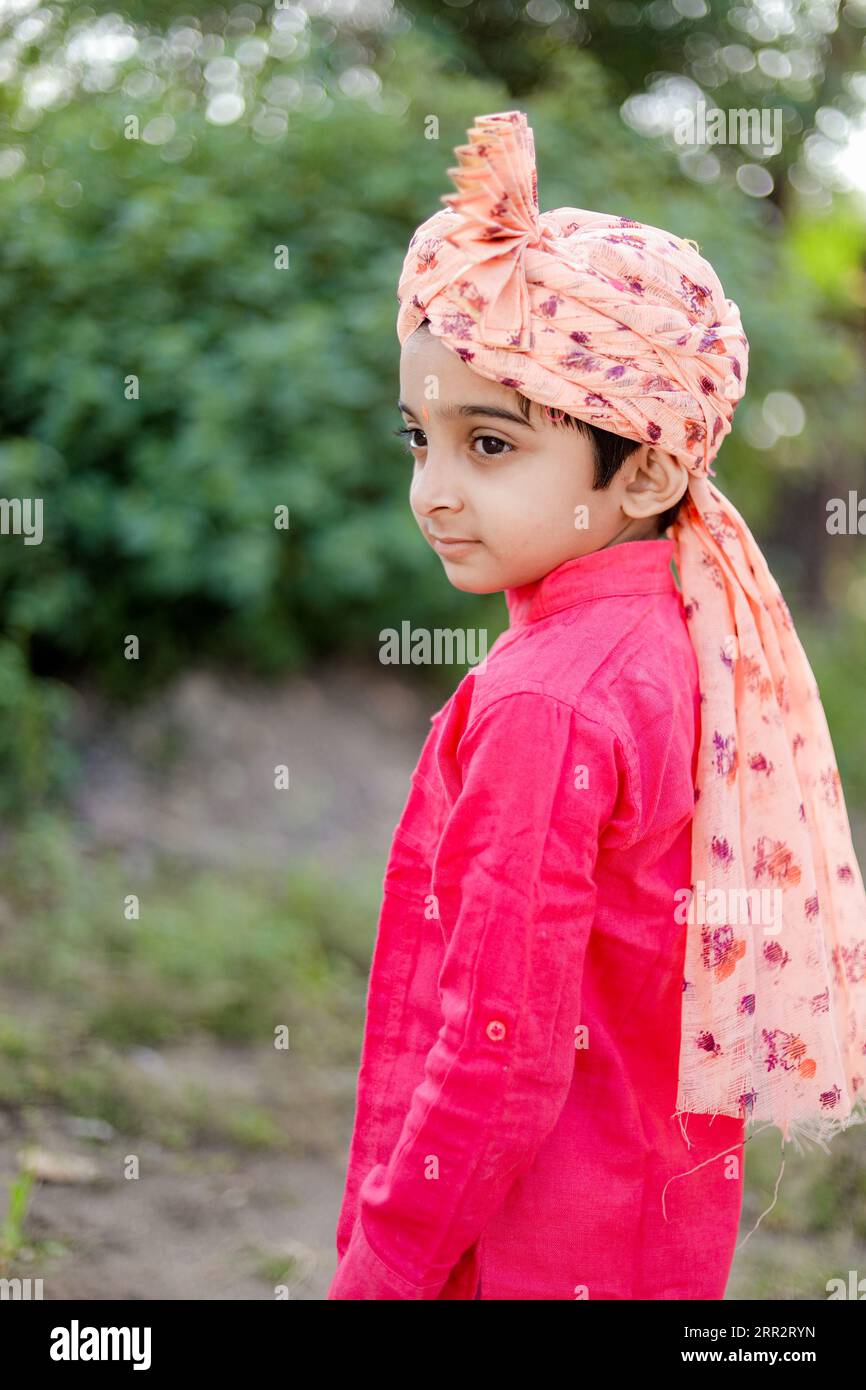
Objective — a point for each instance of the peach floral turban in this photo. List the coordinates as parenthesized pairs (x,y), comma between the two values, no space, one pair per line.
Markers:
(627,327)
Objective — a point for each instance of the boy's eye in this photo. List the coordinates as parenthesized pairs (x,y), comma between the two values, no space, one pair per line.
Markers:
(408,430)
(492,439)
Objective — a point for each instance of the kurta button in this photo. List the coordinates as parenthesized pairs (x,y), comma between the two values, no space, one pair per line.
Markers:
(496,1030)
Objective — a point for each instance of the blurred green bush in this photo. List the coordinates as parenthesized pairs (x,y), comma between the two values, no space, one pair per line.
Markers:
(35,754)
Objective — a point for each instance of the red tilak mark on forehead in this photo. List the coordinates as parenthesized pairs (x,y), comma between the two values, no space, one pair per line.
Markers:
(426,413)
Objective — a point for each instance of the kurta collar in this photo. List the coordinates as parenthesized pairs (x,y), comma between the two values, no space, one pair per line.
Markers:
(631,567)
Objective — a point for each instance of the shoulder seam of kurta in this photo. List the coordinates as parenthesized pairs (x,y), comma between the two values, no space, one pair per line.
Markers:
(620,736)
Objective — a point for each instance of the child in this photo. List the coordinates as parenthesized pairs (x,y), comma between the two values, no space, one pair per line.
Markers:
(622,916)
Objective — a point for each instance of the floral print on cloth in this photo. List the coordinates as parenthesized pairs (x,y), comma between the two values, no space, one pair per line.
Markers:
(627,327)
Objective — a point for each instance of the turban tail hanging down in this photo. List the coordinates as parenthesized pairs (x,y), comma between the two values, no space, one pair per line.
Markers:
(627,327)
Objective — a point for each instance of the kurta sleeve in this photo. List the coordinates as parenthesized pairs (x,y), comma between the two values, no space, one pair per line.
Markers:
(513,878)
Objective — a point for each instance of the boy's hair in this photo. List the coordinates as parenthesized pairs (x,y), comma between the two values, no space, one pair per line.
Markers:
(610,450)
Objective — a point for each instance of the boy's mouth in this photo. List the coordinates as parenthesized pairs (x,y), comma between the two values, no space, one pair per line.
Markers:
(451,546)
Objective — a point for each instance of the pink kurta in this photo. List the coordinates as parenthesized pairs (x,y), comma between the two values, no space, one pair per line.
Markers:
(514,1126)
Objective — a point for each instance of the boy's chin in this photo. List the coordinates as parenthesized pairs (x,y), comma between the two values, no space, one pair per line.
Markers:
(473,584)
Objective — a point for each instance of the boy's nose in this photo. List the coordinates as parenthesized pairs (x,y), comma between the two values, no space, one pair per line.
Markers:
(434,486)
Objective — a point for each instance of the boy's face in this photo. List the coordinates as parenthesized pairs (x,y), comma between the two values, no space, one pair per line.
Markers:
(504,492)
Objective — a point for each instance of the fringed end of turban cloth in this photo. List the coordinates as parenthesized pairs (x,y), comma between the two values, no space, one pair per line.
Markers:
(774,999)
(822,1129)
(800,1131)
(627,327)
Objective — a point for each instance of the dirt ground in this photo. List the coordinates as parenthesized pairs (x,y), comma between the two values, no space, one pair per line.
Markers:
(192,774)
(225,1227)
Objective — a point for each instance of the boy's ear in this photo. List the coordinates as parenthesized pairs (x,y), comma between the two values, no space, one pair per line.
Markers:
(676,473)
(657,482)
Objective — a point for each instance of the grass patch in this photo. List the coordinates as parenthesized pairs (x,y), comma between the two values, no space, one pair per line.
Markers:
(106,957)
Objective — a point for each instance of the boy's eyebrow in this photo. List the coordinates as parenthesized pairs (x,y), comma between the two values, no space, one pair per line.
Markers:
(451,412)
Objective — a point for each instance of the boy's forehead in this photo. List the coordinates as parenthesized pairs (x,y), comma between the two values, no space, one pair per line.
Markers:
(423,356)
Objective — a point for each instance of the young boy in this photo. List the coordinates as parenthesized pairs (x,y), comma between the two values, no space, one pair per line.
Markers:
(560,1053)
